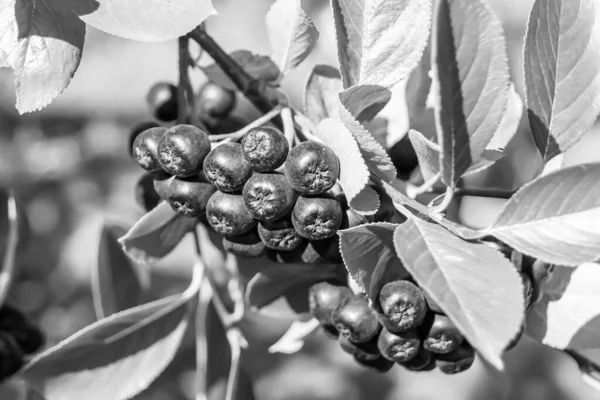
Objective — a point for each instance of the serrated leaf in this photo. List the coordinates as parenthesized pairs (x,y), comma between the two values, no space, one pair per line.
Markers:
(470,82)
(555,218)
(291,33)
(148,20)
(10,239)
(364,102)
(380,42)
(562,69)
(370,257)
(117,283)
(90,364)
(428,154)
(257,66)
(156,234)
(321,93)
(477,287)
(42,42)
(568,316)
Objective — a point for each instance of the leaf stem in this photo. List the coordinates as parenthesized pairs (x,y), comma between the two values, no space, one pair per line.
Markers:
(233,136)
(414,191)
(8,262)
(288,125)
(448,197)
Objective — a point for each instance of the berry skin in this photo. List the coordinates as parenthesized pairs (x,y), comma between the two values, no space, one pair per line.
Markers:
(323,297)
(227,214)
(443,336)
(268,196)
(189,196)
(215,101)
(11,356)
(145,148)
(380,365)
(162,101)
(247,245)
(136,130)
(226,168)
(162,181)
(279,234)
(364,351)
(182,150)
(317,218)
(399,348)
(403,306)
(433,306)
(355,320)
(312,168)
(457,361)
(145,194)
(422,361)
(265,148)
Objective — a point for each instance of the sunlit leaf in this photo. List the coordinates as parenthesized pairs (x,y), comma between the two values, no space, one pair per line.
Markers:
(321,93)
(428,154)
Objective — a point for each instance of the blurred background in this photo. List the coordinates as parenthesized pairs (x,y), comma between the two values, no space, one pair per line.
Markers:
(70,167)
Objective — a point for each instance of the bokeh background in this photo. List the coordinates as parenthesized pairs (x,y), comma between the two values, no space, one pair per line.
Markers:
(70,167)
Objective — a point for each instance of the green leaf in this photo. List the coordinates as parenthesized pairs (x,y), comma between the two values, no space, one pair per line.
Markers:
(568,316)
(148,20)
(118,356)
(156,234)
(291,33)
(555,218)
(117,282)
(470,82)
(42,42)
(257,66)
(364,102)
(321,93)
(477,287)
(428,154)
(380,42)
(562,69)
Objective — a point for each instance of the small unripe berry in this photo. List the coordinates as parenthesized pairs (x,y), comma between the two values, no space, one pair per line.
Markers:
(227,214)
(145,149)
(353,318)
(279,234)
(403,306)
(443,336)
(265,148)
(457,361)
(312,168)
(400,347)
(318,217)
(422,361)
(136,130)
(145,194)
(215,101)
(226,168)
(364,351)
(182,150)
(247,245)
(162,101)
(189,196)
(268,196)
(323,297)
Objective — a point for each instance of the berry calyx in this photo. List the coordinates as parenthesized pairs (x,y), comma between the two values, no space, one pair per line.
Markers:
(354,319)
(312,168)
(400,347)
(457,361)
(265,148)
(364,351)
(268,196)
(323,297)
(136,130)
(162,101)
(279,234)
(145,194)
(317,217)
(226,168)
(145,148)
(247,245)
(182,150)
(189,196)
(227,215)
(403,306)
(215,101)
(443,336)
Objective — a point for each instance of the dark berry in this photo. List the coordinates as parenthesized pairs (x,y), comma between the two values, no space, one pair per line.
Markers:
(189,196)
(433,306)
(353,318)
(279,234)
(182,150)
(145,194)
(381,364)
(162,101)
(226,168)
(227,125)
(403,306)
(11,356)
(323,251)
(215,101)
(162,181)
(265,148)
(365,351)
(227,214)
(317,218)
(400,347)
(443,336)
(457,361)
(323,297)
(136,130)
(145,148)
(422,361)
(247,245)
(268,196)
(312,168)
(29,337)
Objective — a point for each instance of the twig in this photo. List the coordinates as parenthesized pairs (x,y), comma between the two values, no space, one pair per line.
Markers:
(8,262)
(414,191)
(233,136)
(235,339)
(448,196)
(288,125)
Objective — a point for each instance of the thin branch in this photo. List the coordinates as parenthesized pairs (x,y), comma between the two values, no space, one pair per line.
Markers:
(8,263)
(233,136)
(414,191)
(288,125)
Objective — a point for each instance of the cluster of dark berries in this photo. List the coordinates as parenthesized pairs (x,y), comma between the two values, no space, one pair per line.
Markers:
(18,337)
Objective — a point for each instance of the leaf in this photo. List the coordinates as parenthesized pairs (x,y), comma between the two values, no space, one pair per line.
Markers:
(118,356)
(470,82)
(291,33)
(10,234)
(568,316)
(370,257)
(364,102)
(380,41)
(42,42)
(418,85)
(562,83)
(293,340)
(156,234)
(428,154)
(148,20)
(117,283)
(555,218)
(321,93)
(257,66)
(477,287)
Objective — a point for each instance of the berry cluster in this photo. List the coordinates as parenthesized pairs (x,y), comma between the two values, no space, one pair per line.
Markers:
(18,337)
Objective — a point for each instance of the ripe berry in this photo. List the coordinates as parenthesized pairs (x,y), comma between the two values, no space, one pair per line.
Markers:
(226,168)
(400,347)
(265,148)
(364,351)
(247,245)
(145,148)
(317,218)
(145,194)
(323,251)
(353,318)
(162,101)
(403,306)
(268,196)
(11,355)
(433,306)
(457,361)
(443,336)
(380,364)
(136,130)
(312,168)
(323,297)
(215,101)
(189,196)
(227,214)
(423,361)
(182,150)
(162,181)
(279,234)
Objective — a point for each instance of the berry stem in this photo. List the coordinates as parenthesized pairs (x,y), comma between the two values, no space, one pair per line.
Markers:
(288,125)
(8,262)
(233,136)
